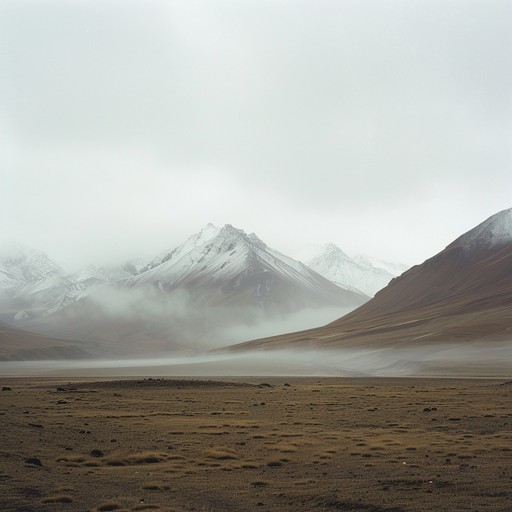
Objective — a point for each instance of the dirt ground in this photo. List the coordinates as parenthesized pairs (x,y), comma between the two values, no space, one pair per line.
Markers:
(295,444)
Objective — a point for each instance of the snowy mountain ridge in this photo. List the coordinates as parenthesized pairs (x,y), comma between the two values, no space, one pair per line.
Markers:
(226,257)
(21,265)
(231,259)
(39,286)
(361,273)
(493,232)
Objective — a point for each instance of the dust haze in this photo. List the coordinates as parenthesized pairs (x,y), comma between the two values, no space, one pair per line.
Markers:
(124,322)
(477,359)
(119,327)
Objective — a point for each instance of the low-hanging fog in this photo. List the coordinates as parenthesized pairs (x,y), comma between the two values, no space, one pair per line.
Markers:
(438,360)
(126,322)
(145,331)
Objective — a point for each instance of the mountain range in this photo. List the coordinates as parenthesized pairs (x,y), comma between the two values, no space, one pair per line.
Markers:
(227,266)
(461,297)
(220,285)
(33,285)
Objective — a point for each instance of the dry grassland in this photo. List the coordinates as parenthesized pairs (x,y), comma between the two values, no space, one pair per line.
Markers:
(367,445)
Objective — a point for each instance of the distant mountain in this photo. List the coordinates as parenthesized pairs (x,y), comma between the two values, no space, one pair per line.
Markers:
(33,285)
(220,284)
(28,281)
(21,265)
(393,268)
(462,294)
(17,345)
(360,273)
(193,242)
(226,265)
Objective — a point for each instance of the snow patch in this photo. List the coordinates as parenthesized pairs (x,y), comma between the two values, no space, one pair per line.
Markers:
(493,232)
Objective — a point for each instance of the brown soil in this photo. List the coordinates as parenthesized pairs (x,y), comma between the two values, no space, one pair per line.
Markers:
(369,445)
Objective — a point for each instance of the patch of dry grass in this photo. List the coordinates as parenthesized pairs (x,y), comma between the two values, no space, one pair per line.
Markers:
(371,442)
(220,454)
(61,498)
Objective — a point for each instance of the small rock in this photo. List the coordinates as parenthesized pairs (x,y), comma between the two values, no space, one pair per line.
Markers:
(34,461)
(6,388)
(96,453)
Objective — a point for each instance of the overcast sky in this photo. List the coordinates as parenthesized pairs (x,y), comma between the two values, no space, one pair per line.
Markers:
(384,126)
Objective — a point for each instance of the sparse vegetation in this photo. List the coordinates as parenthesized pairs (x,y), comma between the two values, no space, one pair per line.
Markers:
(364,443)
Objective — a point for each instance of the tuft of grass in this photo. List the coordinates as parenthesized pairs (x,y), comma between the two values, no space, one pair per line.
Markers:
(64,498)
(108,506)
(136,459)
(259,483)
(216,454)
(153,486)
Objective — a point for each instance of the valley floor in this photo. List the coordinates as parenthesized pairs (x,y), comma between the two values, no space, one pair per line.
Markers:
(294,444)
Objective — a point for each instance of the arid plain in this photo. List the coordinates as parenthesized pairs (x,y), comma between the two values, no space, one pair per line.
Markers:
(256,444)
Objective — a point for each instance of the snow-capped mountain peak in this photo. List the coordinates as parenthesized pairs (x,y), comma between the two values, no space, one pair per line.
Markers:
(236,264)
(229,235)
(493,232)
(357,273)
(25,265)
(196,240)
(335,251)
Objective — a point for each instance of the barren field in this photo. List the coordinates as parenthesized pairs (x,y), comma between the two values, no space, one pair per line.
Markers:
(295,444)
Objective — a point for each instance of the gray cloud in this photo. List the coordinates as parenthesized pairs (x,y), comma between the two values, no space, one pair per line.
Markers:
(124,126)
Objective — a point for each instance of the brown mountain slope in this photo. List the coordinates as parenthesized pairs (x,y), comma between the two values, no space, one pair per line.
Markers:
(463,293)
(17,345)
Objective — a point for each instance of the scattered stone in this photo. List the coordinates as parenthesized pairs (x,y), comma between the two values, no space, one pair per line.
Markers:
(35,425)
(34,461)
